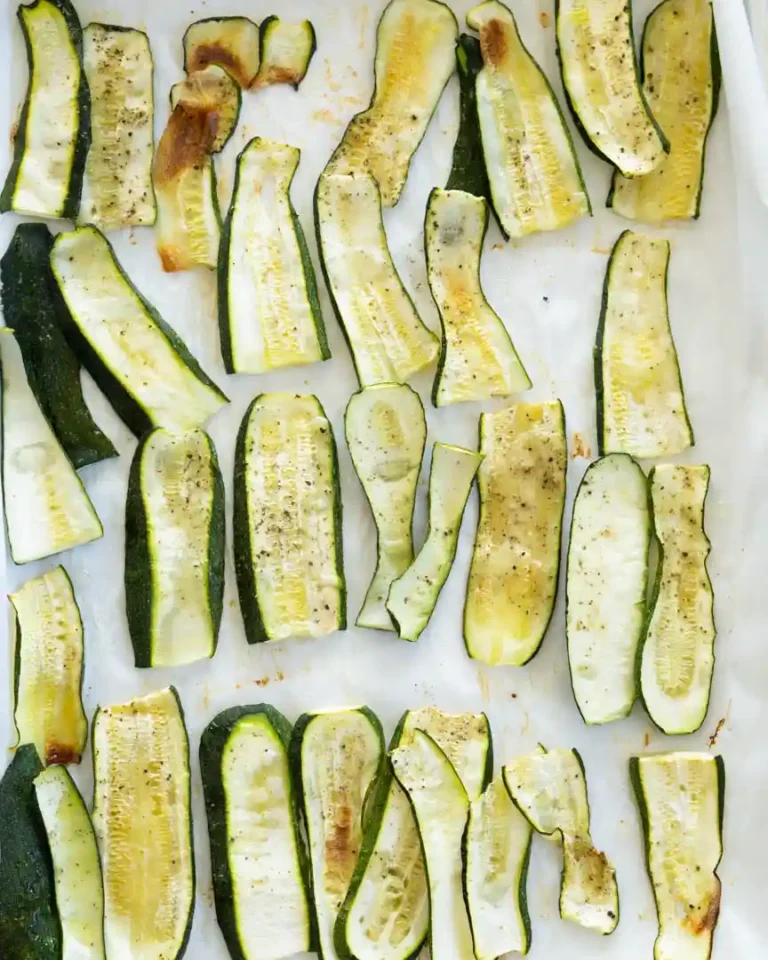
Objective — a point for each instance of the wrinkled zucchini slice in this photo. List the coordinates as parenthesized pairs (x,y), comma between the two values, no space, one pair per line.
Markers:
(229,42)
(286,51)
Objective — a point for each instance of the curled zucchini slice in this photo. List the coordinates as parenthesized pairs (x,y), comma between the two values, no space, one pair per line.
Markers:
(229,42)
(286,51)
(211,93)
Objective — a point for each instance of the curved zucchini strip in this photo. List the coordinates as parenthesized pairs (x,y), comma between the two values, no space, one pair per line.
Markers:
(269,311)
(681,799)
(681,83)
(117,185)
(386,432)
(46,507)
(598,64)
(142,819)
(76,865)
(257,853)
(336,755)
(174,549)
(54,131)
(678,657)
(141,364)
(287,521)
(387,338)
(640,401)
(534,175)
(229,42)
(286,51)
(606,583)
(477,357)
(413,595)
(512,582)
(468,164)
(212,93)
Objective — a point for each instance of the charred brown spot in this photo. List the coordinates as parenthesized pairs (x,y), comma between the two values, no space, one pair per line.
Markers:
(172,259)
(186,141)
(61,753)
(706,921)
(209,53)
(14,132)
(277,75)
(493,42)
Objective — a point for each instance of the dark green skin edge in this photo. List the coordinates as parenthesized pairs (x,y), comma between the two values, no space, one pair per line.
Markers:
(468,167)
(29,921)
(83,136)
(264,31)
(138,560)
(212,20)
(33,308)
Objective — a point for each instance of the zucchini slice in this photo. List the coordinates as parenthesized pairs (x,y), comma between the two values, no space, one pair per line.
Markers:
(257,853)
(269,310)
(141,814)
(598,64)
(117,186)
(413,595)
(32,307)
(287,521)
(681,83)
(606,583)
(76,865)
(174,549)
(477,357)
(46,507)
(286,51)
(678,659)
(468,165)
(140,363)
(415,43)
(336,756)
(640,401)
(229,42)
(534,174)
(386,432)
(213,94)
(46,175)
(512,582)
(681,800)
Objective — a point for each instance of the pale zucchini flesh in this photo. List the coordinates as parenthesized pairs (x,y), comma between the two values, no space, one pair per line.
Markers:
(287,49)
(188,226)
(229,42)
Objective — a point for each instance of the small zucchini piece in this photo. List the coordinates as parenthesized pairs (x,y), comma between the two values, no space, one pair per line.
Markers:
(287,520)
(386,432)
(512,583)
(606,584)
(54,131)
(286,51)
(174,549)
(640,402)
(257,852)
(477,357)
(141,364)
(229,42)
(211,93)
(534,174)
(414,594)
(468,165)
(678,660)
(269,310)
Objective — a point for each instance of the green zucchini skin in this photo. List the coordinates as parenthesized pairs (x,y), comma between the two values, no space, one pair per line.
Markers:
(468,166)
(264,30)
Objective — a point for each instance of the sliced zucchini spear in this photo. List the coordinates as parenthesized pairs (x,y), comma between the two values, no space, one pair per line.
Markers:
(512,582)
(286,51)
(678,658)
(413,595)
(229,42)
(269,311)
(640,401)
(174,549)
(606,584)
(54,130)
(477,357)
(468,165)
(141,815)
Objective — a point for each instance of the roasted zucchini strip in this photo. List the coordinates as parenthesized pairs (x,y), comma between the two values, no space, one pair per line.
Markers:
(212,93)
(286,51)
(229,42)
(468,165)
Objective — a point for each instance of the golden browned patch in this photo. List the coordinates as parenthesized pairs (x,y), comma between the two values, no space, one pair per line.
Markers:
(262,681)
(61,753)
(580,447)
(704,921)
(339,848)
(276,75)
(209,53)
(544,19)
(172,259)
(185,142)
(493,42)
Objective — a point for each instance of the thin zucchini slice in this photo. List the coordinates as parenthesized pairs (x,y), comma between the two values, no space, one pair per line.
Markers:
(477,357)
(76,865)
(269,310)
(468,166)
(336,756)
(46,507)
(32,307)
(229,42)
(512,582)
(413,595)
(388,339)
(257,853)
(640,401)
(678,657)
(286,51)
(534,174)
(287,521)
(212,93)
(117,186)
(140,363)
(598,64)
(142,819)
(174,549)
(681,799)
(681,83)
(386,432)
(606,583)
(51,143)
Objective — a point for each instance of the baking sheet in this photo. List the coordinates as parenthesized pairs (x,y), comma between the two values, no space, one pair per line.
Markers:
(547,288)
